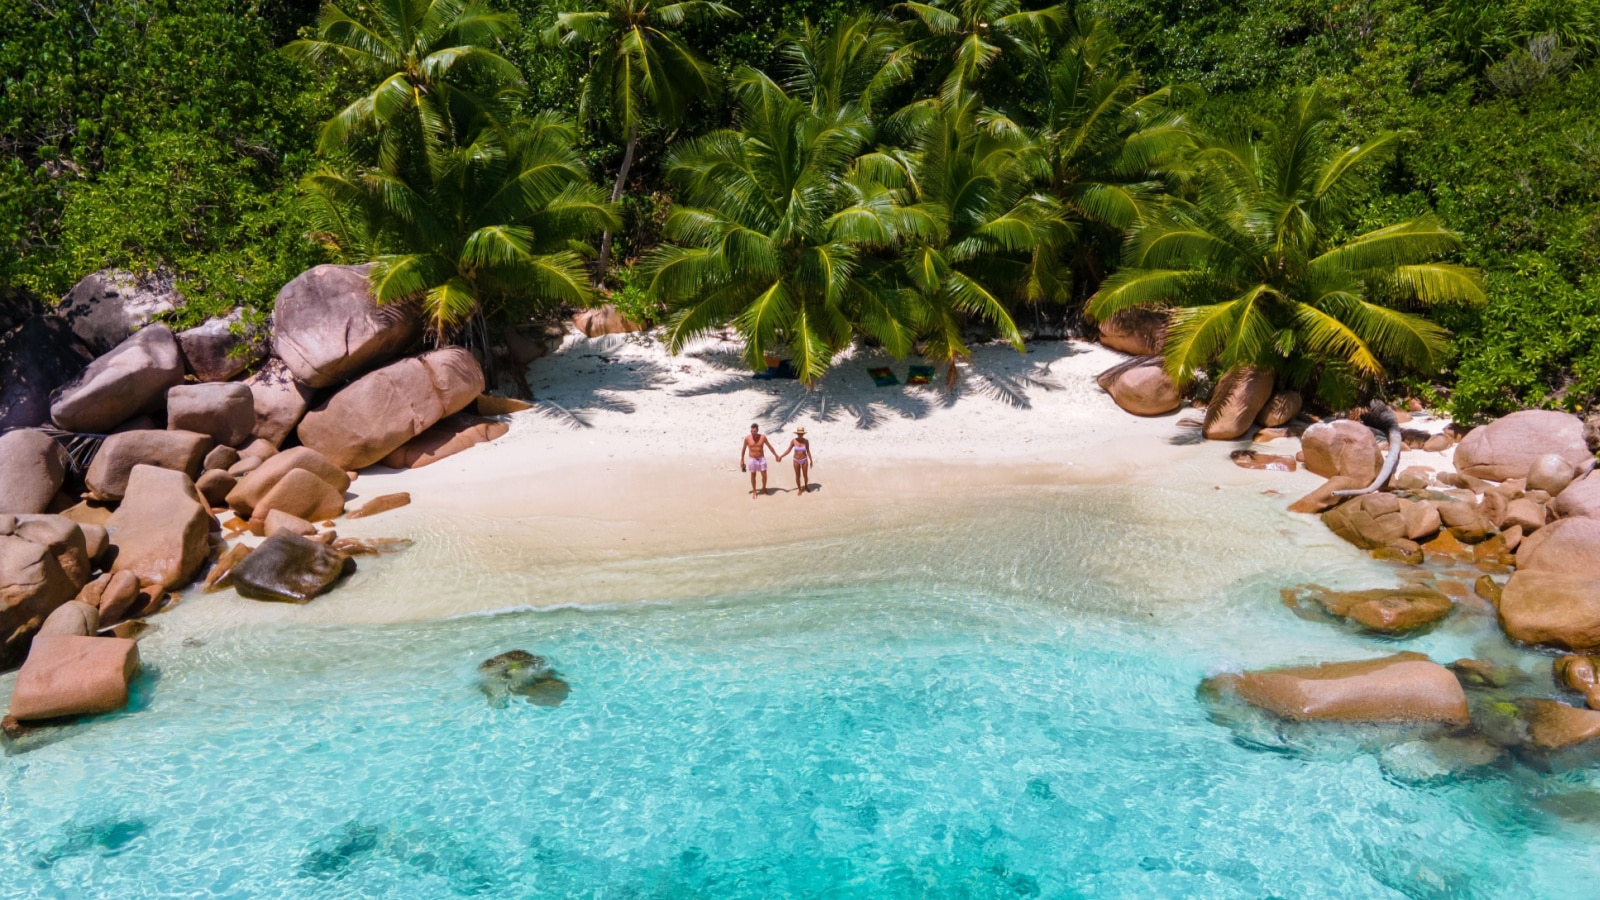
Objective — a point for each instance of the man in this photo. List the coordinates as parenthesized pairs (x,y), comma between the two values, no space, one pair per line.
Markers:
(755,446)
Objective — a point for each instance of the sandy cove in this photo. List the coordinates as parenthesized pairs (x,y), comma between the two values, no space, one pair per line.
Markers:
(631,455)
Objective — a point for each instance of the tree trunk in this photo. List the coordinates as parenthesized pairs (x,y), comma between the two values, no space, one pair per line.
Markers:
(616,194)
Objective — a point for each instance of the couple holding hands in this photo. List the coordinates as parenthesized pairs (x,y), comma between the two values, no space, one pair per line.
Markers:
(753,459)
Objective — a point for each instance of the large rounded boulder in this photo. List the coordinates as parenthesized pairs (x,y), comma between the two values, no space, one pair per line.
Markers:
(225,412)
(37,357)
(279,400)
(32,586)
(1508,447)
(450,436)
(255,486)
(1144,389)
(382,410)
(131,379)
(1139,331)
(160,529)
(1342,447)
(70,675)
(604,320)
(1280,409)
(1406,687)
(180,451)
(1580,499)
(32,467)
(1569,546)
(105,308)
(220,348)
(1237,400)
(327,328)
(1552,608)
(287,568)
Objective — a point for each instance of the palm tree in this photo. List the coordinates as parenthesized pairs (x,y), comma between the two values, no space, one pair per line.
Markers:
(967,36)
(641,69)
(1264,277)
(426,62)
(1106,145)
(856,63)
(501,222)
(780,220)
(973,183)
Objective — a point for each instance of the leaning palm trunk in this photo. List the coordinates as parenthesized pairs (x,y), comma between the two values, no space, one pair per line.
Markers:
(616,196)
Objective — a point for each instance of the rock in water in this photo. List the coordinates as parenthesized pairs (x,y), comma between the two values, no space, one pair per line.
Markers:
(32,468)
(287,568)
(1421,762)
(36,357)
(129,380)
(377,413)
(220,348)
(105,308)
(1558,609)
(71,675)
(327,328)
(1382,610)
(382,504)
(1406,687)
(1237,400)
(160,530)
(225,412)
(520,672)
(1508,447)
(179,451)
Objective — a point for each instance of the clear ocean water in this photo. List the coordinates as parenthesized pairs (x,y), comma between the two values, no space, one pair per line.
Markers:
(1000,705)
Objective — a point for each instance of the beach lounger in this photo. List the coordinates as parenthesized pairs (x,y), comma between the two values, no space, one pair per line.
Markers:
(883,376)
(920,375)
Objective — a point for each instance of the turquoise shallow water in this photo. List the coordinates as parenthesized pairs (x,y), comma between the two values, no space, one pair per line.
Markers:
(996,722)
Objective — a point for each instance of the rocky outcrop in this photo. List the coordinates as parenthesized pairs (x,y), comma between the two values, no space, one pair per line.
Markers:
(252,488)
(327,328)
(1580,499)
(1508,447)
(1406,687)
(131,379)
(450,436)
(287,568)
(32,467)
(161,527)
(1342,448)
(36,357)
(225,412)
(1235,402)
(379,412)
(1378,520)
(1139,331)
(604,320)
(180,451)
(1557,609)
(105,308)
(279,401)
(71,675)
(1142,387)
(220,348)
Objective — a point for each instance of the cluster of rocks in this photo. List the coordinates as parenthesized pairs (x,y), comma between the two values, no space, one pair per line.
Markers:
(185,431)
(1241,399)
(1518,518)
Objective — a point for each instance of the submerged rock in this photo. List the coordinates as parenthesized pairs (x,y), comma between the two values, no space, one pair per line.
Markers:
(1420,762)
(287,568)
(1406,687)
(524,674)
(1383,610)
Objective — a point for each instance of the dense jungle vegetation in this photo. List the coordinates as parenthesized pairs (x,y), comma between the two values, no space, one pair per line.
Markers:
(1365,195)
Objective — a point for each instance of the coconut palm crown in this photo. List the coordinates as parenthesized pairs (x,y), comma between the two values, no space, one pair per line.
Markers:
(427,63)
(1260,274)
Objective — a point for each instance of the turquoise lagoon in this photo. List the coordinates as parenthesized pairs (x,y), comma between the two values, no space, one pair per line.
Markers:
(998,703)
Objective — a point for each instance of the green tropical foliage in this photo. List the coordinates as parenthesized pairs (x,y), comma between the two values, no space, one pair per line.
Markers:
(499,225)
(778,221)
(427,69)
(1260,275)
(640,68)
(963,38)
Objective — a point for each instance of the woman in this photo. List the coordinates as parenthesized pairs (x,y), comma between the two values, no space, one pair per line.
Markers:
(801,448)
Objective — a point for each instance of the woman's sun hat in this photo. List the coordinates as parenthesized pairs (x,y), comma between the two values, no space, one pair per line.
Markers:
(800,432)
